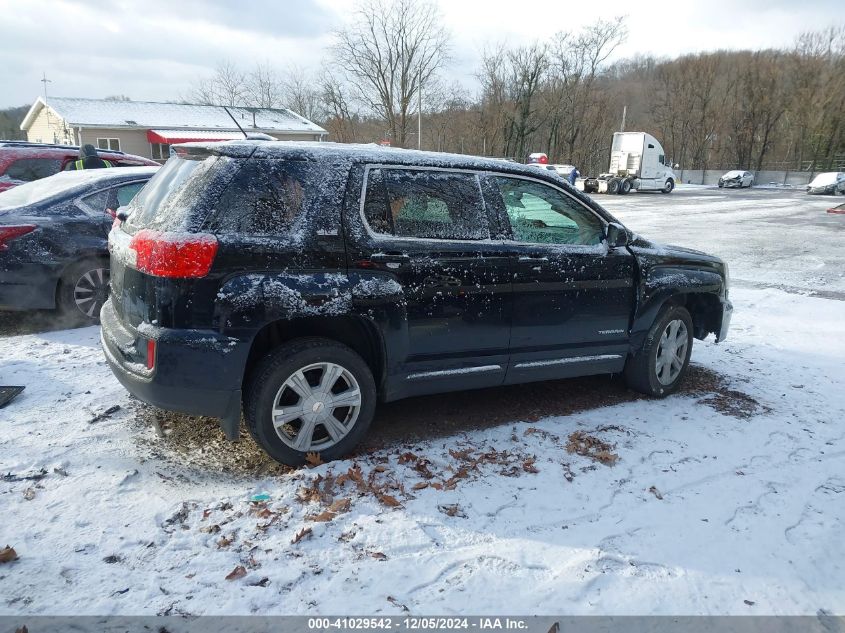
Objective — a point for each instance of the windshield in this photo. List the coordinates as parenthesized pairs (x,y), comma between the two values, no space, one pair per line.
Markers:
(39,190)
(825,179)
(177,189)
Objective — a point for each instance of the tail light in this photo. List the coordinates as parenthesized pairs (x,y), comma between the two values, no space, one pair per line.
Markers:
(179,255)
(151,353)
(8,233)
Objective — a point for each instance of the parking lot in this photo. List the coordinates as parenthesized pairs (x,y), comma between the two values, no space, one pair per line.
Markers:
(726,498)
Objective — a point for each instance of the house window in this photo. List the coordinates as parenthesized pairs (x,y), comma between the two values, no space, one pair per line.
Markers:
(109,144)
(161,151)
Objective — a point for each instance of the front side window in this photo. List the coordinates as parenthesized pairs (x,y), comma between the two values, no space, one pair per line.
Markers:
(540,214)
(29,169)
(425,204)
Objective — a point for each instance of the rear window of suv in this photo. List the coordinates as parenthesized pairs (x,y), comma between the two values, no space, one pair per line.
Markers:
(177,195)
(265,198)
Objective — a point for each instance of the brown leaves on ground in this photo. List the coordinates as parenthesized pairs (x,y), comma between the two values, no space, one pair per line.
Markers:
(303,533)
(237,572)
(452,510)
(337,507)
(313,459)
(581,443)
(8,554)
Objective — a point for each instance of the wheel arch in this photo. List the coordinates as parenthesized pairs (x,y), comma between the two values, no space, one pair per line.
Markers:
(357,333)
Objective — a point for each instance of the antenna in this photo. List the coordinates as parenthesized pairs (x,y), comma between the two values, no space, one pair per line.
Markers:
(236,121)
(45,81)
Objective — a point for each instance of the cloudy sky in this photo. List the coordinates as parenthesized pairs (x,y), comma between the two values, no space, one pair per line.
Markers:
(156,49)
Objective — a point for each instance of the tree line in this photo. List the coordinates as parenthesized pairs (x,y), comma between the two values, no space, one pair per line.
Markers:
(776,109)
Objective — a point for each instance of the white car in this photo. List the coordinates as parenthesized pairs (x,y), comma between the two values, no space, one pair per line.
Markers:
(737,178)
(831,182)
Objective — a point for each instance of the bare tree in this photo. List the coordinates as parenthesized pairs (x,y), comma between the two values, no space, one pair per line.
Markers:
(227,86)
(391,49)
(303,94)
(340,118)
(263,88)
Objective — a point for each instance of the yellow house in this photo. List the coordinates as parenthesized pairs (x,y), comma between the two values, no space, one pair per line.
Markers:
(148,129)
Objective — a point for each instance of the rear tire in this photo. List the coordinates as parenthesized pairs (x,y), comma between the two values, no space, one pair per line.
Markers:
(83,290)
(613,186)
(625,187)
(306,385)
(659,366)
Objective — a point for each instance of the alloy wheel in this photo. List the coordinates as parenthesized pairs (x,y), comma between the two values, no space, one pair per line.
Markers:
(91,291)
(316,407)
(671,352)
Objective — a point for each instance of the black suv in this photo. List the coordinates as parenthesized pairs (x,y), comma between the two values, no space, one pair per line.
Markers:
(305,281)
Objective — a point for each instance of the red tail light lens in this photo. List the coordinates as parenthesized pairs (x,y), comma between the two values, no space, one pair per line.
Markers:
(8,233)
(151,354)
(179,255)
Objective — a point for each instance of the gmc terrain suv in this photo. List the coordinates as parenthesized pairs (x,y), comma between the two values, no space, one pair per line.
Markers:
(305,282)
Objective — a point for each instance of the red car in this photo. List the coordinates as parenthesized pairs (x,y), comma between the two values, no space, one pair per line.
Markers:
(22,162)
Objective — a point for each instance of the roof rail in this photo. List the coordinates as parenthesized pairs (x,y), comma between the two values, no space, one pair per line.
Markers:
(57,145)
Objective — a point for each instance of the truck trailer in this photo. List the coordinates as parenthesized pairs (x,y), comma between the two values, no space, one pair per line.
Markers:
(637,161)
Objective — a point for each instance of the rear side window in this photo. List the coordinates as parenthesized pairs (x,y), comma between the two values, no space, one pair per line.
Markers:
(127,192)
(425,204)
(29,169)
(265,198)
(177,197)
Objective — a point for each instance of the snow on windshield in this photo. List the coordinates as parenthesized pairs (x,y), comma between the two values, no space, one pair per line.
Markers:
(734,173)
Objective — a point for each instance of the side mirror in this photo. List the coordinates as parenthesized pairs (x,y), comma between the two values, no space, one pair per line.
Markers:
(617,235)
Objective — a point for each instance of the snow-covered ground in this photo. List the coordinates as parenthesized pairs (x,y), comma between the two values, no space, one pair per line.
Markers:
(726,499)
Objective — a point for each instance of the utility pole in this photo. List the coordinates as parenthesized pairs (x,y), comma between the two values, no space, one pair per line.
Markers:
(624,112)
(45,81)
(419,110)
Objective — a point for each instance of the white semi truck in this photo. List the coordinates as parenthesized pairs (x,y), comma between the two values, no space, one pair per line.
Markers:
(637,161)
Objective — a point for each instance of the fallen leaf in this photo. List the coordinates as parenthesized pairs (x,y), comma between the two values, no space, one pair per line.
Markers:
(260,583)
(750,603)
(420,485)
(529,467)
(437,486)
(378,555)
(379,469)
(341,505)
(404,458)
(306,531)
(8,554)
(60,471)
(395,602)
(313,459)
(452,510)
(224,542)
(354,473)
(653,490)
(323,517)
(211,529)
(29,494)
(388,500)
(237,572)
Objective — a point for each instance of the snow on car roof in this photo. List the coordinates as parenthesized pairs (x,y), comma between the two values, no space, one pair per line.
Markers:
(147,114)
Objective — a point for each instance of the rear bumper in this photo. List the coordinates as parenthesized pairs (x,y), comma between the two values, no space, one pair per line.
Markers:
(198,372)
(727,313)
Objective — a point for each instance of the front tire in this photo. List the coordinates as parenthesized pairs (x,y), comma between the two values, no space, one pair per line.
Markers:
(668,186)
(310,395)
(659,366)
(83,290)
